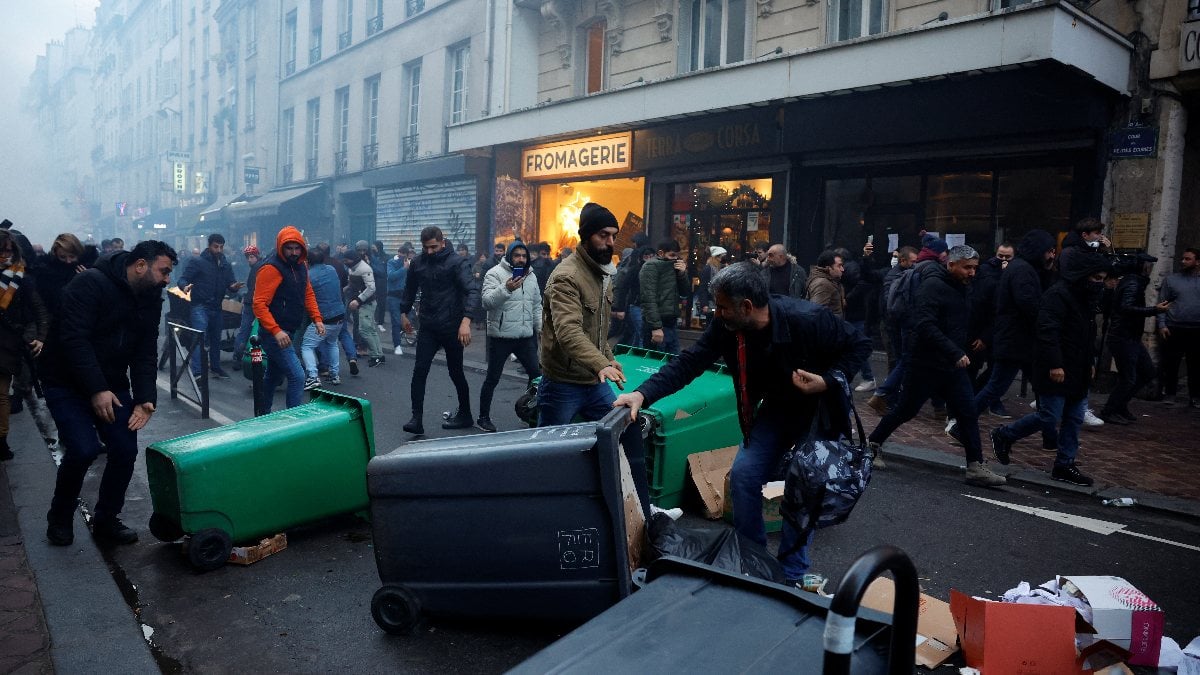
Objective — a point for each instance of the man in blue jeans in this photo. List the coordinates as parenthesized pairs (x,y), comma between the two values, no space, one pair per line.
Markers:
(253,260)
(783,354)
(209,278)
(282,296)
(99,374)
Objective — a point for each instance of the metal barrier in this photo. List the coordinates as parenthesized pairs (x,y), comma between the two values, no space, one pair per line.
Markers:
(181,343)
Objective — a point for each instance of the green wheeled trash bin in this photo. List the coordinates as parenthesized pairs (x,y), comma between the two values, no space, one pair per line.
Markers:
(259,476)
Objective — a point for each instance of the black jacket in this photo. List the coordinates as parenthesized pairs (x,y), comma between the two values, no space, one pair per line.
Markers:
(51,276)
(982,295)
(448,290)
(1017,298)
(542,267)
(210,277)
(940,321)
(1129,311)
(803,335)
(105,337)
(1066,330)
(862,282)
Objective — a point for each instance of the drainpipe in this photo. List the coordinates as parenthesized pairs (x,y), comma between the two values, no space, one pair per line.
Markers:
(489,47)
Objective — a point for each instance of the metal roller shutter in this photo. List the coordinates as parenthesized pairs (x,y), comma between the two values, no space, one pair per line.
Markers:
(402,212)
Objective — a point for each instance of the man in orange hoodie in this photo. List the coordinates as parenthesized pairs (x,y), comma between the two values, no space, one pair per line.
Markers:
(282,295)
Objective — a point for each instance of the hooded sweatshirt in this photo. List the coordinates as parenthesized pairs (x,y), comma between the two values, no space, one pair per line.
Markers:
(511,314)
(1066,329)
(282,292)
(1017,297)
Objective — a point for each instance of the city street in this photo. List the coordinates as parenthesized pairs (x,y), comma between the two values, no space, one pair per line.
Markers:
(307,608)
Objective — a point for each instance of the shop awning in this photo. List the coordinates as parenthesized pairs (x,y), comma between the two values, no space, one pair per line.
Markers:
(1012,38)
(213,210)
(272,203)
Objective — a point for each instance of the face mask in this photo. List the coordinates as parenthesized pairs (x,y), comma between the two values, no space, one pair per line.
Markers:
(895,261)
(1094,244)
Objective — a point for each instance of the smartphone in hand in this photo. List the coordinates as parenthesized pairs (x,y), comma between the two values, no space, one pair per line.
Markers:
(518,272)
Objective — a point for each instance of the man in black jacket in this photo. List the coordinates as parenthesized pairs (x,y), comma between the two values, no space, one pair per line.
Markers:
(982,295)
(209,278)
(1125,328)
(449,296)
(939,359)
(782,353)
(99,379)
(1064,364)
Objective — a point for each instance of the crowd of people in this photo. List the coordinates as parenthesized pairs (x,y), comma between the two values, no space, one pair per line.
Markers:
(81,323)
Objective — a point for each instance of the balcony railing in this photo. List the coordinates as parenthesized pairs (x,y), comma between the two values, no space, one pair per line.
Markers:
(340,160)
(251,48)
(314,55)
(370,155)
(413,7)
(343,40)
(289,67)
(374,24)
(410,147)
(310,168)
(287,173)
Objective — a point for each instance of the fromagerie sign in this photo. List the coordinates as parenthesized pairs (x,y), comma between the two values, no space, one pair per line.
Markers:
(580,157)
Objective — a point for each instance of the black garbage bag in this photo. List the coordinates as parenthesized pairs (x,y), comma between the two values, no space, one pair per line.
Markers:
(719,546)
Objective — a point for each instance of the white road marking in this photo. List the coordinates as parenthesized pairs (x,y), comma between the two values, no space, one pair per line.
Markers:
(1090,524)
(165,385)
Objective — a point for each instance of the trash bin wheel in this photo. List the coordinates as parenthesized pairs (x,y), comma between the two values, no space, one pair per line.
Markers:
(209,549)
(164,529)
(395,610)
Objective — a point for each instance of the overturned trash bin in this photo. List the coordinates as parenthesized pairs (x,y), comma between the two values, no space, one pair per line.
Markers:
(688,617)
(530,524)
(259,476)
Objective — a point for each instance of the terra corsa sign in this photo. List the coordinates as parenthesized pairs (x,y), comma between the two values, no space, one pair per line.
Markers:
(580,157)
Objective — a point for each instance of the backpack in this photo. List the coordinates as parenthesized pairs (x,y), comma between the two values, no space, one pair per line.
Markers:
(902,295)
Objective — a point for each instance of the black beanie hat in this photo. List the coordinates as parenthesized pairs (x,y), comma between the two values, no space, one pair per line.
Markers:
(593,218)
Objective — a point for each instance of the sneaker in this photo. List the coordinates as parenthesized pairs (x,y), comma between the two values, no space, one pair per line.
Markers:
(878,403)
(113,531)
(311,383)
(459,420)
(60,532)
(1090,421)
(415,426)
(485,423)
(375,361)
(398,351)
(673,514)
(877,460)
(353,367)
(1001,447)
(867,385)
(979,474)
(1113,418)
(220,374)
(1033,405)
(997,409)
(1070,473)
(381,327)
(335,380)
(952,431)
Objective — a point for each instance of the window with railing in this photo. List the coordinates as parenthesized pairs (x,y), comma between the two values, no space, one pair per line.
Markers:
(341,108)
(289,43)
(343,40)
(315,31)
(313,133)
(287,140)
(412,112)
(314,54)
(251,22)
(413,7)
(410,148)
(340,162)
(460,58)
(345,23)
(371,114)
(370,155)
(849,19)
(375,17)
(248,102)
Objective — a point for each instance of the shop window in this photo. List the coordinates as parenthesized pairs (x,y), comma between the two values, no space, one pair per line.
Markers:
(594,57)
(1033,198)
(559,205)
(734,214)
(850,19)
(717,32)
(886,207)
(958,206)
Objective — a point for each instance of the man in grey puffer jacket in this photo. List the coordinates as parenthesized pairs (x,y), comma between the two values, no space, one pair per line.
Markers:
(514,317)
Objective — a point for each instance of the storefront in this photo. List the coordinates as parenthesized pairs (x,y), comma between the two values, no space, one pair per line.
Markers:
(442,191)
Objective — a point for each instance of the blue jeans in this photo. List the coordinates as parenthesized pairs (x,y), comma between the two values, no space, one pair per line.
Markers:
(81,435)
(281,363)
(243,334)
(1003,374)
(561,402)
(393,308)
(313,345)
(866,373)
(207,320)
(1050,411)
(632,335)
(346,340)
(756,462)
(670,343)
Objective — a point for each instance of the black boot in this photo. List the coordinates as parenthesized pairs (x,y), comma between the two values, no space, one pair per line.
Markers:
(461,419)
(60,530)
(110,530)
(415,426)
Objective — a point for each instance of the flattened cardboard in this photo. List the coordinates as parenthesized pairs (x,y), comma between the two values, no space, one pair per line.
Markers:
(708,471)
(1000,638)
(635,520)
(1123,615)
(937,638)
(248,555)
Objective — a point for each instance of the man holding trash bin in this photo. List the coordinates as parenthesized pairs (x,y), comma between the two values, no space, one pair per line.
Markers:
(782,353)
(98,373)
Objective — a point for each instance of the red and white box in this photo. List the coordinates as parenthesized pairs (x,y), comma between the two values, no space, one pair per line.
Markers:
(1122,615)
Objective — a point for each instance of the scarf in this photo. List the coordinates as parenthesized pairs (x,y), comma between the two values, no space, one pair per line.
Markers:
(10,281)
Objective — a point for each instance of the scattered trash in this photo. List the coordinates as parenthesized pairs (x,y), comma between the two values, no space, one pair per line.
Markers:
(721,547)
(814,583)
(1120,501)
(1184,661)
(937,638)
(248,555)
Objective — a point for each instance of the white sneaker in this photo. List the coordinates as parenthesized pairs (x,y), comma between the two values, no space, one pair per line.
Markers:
(398,351)
(1033,405)
(673,514)
(1090,419)
(868,385)
(382,328)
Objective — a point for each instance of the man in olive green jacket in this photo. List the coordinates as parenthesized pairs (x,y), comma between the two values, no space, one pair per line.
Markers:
(577,362)
(663,279)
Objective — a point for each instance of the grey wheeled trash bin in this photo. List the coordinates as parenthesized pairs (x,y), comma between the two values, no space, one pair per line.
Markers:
(524,524)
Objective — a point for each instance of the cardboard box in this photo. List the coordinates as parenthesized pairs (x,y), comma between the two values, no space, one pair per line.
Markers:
(1122,615)
(937,638)
(999,638)
(709,471)
(246,555)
